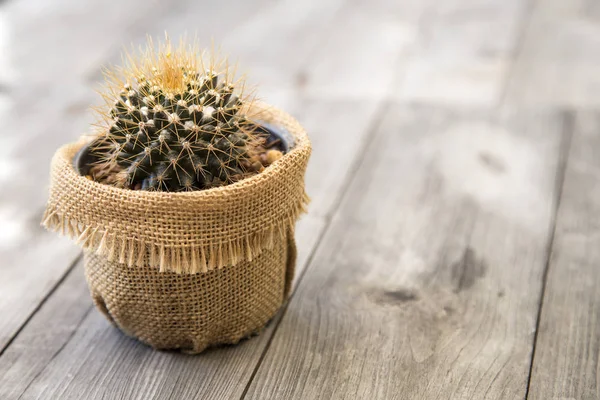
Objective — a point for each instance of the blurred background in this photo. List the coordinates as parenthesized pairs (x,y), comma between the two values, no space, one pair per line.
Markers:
(342,58)
(442,128)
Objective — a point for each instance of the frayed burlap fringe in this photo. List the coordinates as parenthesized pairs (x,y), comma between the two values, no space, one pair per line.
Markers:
(182,232)
(189,259)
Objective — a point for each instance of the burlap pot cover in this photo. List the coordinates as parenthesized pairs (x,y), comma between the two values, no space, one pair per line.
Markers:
(187,270)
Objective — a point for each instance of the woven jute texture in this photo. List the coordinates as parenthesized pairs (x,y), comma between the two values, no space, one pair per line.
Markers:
(187,270)
(168,310)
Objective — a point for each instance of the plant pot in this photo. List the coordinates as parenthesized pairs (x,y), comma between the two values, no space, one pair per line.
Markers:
(187,270)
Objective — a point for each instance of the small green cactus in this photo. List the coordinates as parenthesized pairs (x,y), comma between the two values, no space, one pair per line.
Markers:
(175,129)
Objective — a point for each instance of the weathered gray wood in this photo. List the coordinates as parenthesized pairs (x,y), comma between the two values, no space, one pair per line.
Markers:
(427,284)
(558,60)
(45,337)
(463,52)
(28,274)
(99,362)
(567,350)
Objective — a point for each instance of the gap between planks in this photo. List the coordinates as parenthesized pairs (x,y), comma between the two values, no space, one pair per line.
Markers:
(443,274)
(565,147)
(568,345)
(50,292)
(354,167)
(60,349)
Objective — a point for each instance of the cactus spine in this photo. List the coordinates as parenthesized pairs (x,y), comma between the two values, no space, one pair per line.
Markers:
(173,124)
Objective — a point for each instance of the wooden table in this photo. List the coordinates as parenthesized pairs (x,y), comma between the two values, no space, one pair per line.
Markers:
(452,246)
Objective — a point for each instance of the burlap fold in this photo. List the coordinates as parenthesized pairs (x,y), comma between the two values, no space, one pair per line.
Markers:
(187,270)
(182,232)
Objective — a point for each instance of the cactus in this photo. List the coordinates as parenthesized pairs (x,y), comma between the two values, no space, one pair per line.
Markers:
(179,127)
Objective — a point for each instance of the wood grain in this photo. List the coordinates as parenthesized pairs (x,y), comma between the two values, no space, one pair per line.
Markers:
(567,350)
(45,337)
(428,281)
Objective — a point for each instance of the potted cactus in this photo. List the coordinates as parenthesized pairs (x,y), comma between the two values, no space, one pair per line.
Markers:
(184,201)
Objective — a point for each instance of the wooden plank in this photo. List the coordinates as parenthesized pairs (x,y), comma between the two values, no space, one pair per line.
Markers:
(463,52)
(28,274)
(45,338)
(560,55)
(100,362)
(428,281)
(567,350)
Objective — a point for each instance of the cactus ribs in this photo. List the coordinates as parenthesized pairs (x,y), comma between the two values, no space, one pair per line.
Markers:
(176,129)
